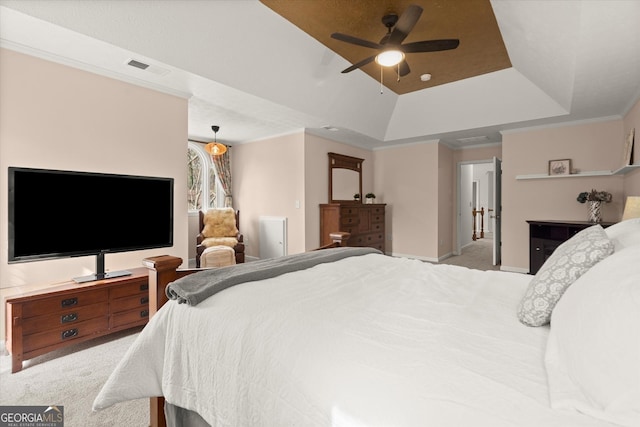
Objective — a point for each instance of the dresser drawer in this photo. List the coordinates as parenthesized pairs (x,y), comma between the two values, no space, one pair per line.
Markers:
(377,218)
(348,221)
(378,211)
(141,287)
(64,333)
(348,210)
(369,239)
(129,303)
(378,227)
(63,303)
(69,317)
(139,316)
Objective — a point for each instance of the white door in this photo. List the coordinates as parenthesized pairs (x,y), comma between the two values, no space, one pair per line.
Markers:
(497,211)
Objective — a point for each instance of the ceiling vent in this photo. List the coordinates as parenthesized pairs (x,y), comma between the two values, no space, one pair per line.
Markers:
(138,64)
(146,67)
(473,139)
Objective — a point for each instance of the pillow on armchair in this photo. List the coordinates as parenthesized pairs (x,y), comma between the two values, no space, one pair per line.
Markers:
(220,223)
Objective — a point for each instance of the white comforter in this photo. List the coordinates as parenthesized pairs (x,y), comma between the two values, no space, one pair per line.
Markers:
(366,341)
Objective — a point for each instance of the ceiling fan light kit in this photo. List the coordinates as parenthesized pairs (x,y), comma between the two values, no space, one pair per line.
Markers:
(390,57)
(392,51)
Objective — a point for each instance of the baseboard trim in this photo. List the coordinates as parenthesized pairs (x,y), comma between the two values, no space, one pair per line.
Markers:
(514,269)
(420,258)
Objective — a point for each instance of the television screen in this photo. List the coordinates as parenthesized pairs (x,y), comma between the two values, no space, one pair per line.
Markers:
(55,214)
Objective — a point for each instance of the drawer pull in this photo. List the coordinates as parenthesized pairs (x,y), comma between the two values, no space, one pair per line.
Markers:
(69,302)
(69,333)
(144,287)
(144,313)
(144,300)
(72,317)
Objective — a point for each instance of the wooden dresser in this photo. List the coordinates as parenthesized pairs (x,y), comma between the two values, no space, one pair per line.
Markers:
(365,222)
(42,321)
(546,236)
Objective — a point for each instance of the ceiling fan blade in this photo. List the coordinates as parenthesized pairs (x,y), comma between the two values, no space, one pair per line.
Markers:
(356,41)
(359,64)
(404,69)
(430,45)
(405,24)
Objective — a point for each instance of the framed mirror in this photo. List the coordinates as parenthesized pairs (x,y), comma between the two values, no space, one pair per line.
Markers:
(345,178)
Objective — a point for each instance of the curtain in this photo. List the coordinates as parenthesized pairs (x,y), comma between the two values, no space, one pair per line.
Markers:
(222,165)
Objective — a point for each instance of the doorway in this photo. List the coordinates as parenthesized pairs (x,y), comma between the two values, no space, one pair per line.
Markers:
(478,187)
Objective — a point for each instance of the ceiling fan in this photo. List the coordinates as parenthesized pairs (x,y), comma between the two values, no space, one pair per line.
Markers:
(392,51)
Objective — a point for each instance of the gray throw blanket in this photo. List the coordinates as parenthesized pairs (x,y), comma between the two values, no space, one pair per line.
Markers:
(197,287)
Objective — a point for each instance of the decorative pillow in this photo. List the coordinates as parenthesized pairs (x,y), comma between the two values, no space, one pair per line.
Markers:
(569,261)
(625,233)
(593,351)
(220,223)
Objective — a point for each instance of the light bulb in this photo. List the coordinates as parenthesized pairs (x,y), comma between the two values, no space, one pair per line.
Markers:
(389,58)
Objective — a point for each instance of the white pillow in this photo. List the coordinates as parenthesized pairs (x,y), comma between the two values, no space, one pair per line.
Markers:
(625,233)
(569,261)
(593,350)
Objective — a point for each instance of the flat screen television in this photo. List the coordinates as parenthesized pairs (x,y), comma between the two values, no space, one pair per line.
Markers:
(57,214)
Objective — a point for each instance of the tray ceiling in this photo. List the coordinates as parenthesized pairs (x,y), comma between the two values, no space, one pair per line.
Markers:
(481,49)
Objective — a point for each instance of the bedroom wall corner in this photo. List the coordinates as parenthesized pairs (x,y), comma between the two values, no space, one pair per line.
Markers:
(58,117)
(446,195)
(268,180)
(592,146)
(632,179)
(407,177)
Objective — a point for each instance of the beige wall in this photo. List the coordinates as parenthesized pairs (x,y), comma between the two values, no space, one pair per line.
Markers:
(591,147)
(54,116)
(446,198)
(268,180)
(406,178)
(632,180)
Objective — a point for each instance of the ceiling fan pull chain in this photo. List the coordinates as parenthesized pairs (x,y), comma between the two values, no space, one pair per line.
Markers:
(398,71)
(381,81)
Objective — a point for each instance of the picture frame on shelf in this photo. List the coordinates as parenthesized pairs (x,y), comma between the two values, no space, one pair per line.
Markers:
(560,167)
(628,153)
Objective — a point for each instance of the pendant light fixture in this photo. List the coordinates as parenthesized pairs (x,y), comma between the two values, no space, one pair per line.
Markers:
(215,148)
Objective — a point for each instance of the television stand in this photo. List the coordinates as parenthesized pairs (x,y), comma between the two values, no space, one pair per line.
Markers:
(100,273)
(102,276)
(45,320)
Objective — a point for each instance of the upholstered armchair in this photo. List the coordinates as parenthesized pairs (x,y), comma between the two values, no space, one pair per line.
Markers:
(220,227)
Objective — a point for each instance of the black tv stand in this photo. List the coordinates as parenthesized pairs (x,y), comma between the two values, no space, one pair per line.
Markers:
(100,273)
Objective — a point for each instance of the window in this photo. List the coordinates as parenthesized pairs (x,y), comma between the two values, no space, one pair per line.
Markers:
(203,190)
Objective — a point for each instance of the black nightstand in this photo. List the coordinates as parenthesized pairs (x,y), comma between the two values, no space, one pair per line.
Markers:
(546,236)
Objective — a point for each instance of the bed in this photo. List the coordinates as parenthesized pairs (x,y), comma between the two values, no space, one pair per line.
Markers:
(365,339)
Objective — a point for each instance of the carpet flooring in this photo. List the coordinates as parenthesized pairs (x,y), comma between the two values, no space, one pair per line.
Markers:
(477,255)
(72,377)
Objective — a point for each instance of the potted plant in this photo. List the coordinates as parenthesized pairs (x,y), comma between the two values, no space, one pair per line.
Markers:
(595,199)
(370,198)
(356,197)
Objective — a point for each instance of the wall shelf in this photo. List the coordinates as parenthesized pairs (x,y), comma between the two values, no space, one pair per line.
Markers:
(621,171)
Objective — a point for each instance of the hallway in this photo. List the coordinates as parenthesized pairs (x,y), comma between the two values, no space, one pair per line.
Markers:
(477,255)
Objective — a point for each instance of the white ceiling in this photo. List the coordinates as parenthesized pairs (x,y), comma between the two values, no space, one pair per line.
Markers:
(248,70)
